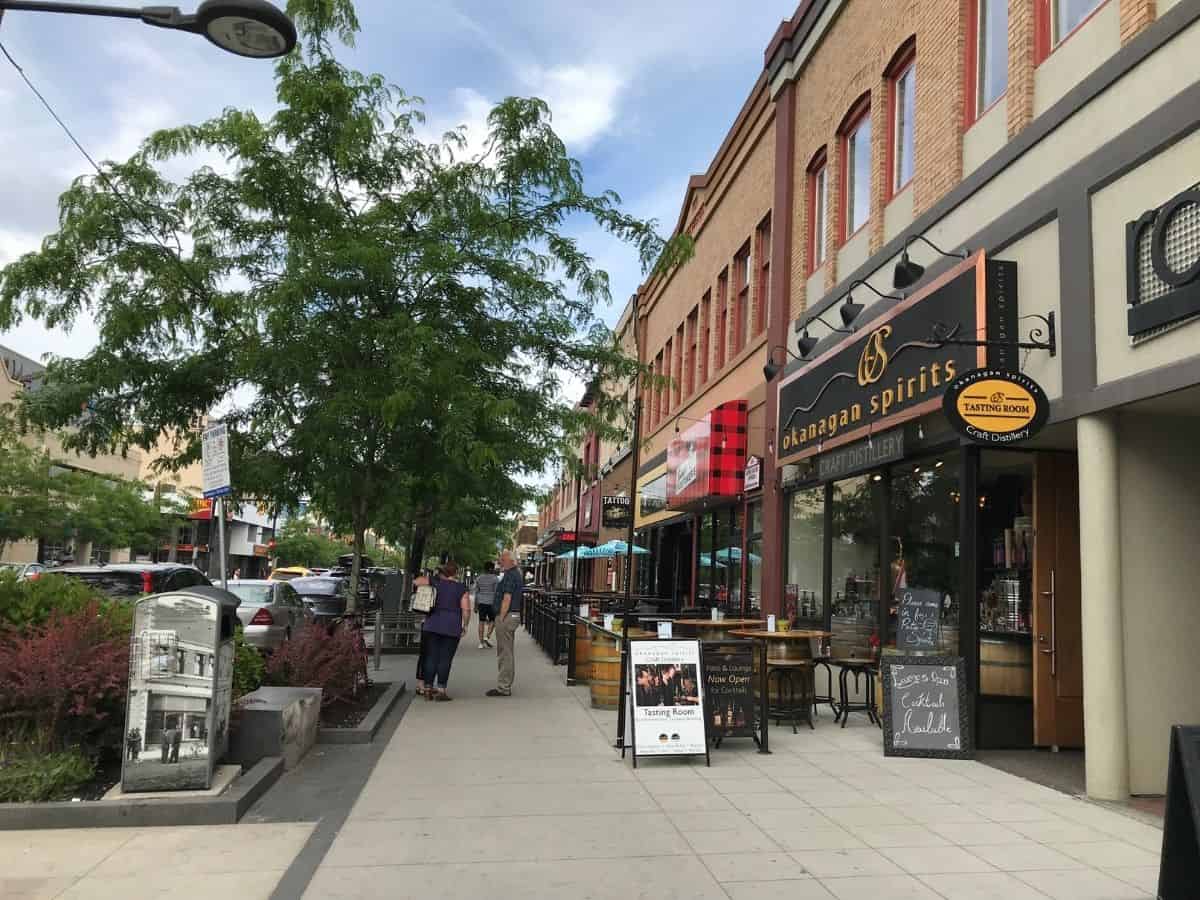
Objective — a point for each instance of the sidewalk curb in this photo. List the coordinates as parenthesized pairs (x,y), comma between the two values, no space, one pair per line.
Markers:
(226,809)
(365,731)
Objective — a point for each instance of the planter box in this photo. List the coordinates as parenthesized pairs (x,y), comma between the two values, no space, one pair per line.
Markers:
(364,732)
(276,721)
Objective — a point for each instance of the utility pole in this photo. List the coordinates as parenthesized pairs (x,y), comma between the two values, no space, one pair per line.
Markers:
(633,505)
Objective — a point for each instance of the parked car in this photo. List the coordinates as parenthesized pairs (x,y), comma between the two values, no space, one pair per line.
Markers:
(323,596)
(132,580)
(287,573)
(271,611)
(24,571)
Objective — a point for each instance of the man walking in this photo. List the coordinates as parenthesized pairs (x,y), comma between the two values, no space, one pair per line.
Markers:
(508,620)
(485,602)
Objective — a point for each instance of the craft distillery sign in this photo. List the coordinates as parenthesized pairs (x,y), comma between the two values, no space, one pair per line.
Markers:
(893,369)
(668,699)
(925,707)
(990,406)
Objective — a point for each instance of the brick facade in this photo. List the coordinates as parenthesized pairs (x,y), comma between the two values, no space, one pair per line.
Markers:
(1136,15)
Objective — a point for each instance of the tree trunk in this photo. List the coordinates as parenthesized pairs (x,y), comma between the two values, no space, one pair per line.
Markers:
(416,550)
(360,533)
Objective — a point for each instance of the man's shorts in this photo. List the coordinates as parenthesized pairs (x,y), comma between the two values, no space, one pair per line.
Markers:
(487,612)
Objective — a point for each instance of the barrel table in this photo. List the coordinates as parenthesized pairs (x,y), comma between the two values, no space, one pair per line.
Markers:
(605,676)
(583,652)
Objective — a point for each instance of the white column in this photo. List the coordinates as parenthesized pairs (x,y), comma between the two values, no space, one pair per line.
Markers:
(1105,723)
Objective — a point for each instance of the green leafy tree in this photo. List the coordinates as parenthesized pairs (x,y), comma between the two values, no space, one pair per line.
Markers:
(296,546)
(388,319)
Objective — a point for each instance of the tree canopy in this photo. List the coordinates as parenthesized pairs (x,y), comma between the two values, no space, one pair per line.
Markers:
(386,319)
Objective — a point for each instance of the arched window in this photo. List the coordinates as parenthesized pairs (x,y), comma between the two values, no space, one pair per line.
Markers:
(818,210)
(901,75)
(855,194)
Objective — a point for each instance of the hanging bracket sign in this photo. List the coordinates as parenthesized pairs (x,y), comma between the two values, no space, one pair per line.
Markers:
(991,406)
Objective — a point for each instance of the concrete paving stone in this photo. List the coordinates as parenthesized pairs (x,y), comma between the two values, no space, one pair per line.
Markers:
(205,850)
(1062,831)
(875,887)
(778,767)
(909,835)
(33,888)
(1024,857)
(806,838)
(730,820)
(942,814)
(754,785)
(660,789)
(154,884)
(799,889)
(1013,812)
(942,861)
(845,863)
(1085,884)
(1143,877)
(981,886)
(865,815)
(976,794)
(939,782)
(663,878)
(829,796)
(714,802)
(771,866)
(561,770)
(967,834)
(745,839)
(58,853)
(862,781)
(503,799)
(905,796)
(401,841)
(1105,854)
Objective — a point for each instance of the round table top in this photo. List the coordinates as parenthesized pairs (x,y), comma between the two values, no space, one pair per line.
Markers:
(793,635)
(719,623)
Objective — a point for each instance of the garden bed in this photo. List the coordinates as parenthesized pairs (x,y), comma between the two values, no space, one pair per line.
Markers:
(364,729)
(344,714)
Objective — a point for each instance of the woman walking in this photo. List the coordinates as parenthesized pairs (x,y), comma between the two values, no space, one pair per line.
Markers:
(445,625)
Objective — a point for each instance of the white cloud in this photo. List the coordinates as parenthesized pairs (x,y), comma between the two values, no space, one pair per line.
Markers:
(583,99)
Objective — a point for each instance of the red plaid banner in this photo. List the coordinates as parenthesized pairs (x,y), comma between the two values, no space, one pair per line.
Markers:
(709,459)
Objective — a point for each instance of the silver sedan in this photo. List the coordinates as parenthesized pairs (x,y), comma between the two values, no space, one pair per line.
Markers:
(271,611)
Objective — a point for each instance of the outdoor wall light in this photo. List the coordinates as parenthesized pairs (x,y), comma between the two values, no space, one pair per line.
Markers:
(772,368)
(907,273)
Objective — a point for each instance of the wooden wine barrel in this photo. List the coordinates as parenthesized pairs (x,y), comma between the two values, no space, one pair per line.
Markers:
(605,676)
(1005,668)
(583,652)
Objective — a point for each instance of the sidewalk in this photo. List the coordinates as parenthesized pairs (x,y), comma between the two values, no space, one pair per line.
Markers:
(523,797)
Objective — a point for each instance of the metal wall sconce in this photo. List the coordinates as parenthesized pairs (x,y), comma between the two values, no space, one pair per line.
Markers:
(907,273)
(772,368)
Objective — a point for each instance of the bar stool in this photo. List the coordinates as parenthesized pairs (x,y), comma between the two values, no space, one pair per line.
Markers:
(791,680)
(859,668)
(823,662)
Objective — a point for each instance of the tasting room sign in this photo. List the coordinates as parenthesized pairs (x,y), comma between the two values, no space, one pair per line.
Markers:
(989,406)
(667,699)
(925,707)
(892,368)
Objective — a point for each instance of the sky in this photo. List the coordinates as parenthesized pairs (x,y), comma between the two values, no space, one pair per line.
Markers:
(642,94)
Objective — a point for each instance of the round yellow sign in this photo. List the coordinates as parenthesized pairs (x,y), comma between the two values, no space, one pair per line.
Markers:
(997,406)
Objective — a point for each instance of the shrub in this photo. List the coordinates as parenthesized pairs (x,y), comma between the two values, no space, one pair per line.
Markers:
(37,777)
(248,666)
(65,679)
(335,661)
(26,604)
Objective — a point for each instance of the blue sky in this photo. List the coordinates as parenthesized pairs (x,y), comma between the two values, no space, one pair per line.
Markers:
(642,93)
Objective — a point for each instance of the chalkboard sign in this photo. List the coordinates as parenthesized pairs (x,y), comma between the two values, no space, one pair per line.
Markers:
(925,707)
(919,618)
(729,690)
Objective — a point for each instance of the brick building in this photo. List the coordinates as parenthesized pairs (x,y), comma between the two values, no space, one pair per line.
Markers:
(1051,148)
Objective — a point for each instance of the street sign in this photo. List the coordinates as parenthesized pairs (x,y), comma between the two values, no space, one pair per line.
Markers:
(215,460)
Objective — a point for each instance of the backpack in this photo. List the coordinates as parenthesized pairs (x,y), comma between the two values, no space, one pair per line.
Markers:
(424,598)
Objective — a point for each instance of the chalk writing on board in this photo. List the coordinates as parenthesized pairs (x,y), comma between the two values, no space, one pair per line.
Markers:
(923,706)
(920,618)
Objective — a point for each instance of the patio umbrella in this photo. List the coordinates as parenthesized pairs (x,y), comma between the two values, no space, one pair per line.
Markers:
(735,554)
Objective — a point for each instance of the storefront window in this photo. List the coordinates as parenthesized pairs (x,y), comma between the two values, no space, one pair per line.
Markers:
(855,539)
(804,595)
(924,547)
(754,561)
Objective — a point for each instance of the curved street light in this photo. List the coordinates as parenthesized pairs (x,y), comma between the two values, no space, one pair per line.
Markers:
(253,28)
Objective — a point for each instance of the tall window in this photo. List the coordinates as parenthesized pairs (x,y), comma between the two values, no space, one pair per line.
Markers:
(705,335)
(667,373)
(658,370)
(689,365)
(762,289)
(904,106)
(741,270)
(1067,15)
(722,318)
(818,210)
(856,170)
(989,70)
(677,387)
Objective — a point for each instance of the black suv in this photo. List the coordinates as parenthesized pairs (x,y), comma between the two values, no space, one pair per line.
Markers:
(132,580)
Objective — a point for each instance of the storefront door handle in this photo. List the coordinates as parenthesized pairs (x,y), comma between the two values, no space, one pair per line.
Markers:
(1053,629)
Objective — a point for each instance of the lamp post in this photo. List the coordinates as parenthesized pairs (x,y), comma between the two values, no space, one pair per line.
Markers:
(253,28)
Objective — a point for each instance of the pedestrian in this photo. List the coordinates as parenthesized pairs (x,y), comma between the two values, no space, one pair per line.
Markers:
(444,627)
(237,573)
(176,740)
(421,581)
(134,742)
(508,619)
(485,600)
(168,736)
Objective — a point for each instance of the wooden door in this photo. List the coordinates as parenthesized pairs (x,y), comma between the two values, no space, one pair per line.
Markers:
(1057,615)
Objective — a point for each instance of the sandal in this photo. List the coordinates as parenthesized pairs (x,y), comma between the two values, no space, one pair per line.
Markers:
(443,698)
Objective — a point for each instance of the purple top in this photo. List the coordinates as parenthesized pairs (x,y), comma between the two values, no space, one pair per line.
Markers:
(446,616)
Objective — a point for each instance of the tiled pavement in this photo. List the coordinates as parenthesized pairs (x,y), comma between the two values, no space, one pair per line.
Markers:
(523,798)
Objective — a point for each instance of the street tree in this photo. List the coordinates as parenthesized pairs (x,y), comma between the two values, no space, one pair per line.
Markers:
(297,545)
(386,318)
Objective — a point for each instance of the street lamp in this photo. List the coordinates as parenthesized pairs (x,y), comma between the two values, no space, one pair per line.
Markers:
(253,28)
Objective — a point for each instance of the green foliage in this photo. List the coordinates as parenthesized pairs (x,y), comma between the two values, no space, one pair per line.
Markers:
(248,666)
(24,604)
(296,547)
(38,777)
(388,320)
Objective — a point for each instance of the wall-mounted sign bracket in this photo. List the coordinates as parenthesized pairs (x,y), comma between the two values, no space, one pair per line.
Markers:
(1044,337)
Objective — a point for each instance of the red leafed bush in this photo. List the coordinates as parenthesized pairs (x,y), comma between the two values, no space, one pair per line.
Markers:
(65,677)
(335,661)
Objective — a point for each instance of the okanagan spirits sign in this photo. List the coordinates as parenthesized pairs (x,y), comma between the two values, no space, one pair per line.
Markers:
(892,369)
(925,707)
